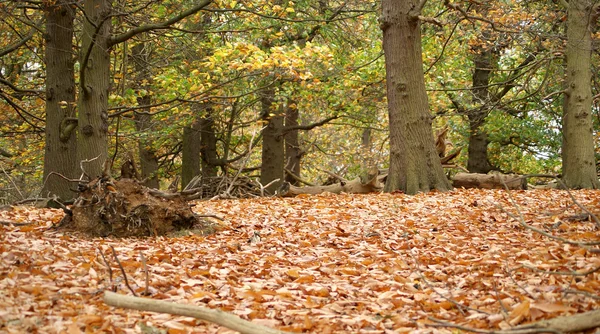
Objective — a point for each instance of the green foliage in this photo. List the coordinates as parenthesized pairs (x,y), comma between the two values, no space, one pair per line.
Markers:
(325,57)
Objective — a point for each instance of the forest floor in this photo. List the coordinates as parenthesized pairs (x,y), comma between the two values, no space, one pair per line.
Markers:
(373,263)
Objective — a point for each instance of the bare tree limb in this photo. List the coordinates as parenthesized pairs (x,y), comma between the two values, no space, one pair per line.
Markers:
(218,317)
(163,25)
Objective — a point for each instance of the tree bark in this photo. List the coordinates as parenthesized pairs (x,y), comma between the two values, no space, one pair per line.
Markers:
(208,144)
(579,166)
(143,120)
(489,181)
(414,163)
(60,154)
(190,156)
(218,317)
(293,153)
(478,140)
(94,86)
(273,155)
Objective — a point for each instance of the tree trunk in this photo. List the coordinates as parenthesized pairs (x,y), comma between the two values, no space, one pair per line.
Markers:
(293,153)
(143,121)
(478,141)
(579,167)
(60,154)
(92,142)
(208,144)
(273,155)
(148,159)
(414,163)
(190,156)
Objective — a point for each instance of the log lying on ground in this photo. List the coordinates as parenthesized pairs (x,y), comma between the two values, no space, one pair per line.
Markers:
(218,317)
(370,182)
(489,181)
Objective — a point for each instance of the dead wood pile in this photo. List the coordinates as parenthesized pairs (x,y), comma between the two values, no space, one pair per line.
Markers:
(225,186)
(123,208)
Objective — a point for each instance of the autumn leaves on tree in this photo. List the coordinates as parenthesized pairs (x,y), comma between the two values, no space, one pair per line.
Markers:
(298,91)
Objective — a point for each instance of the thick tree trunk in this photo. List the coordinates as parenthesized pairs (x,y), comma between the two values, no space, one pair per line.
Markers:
(190,155)
(414,163)
(579,167)
(273,155)
(293,153)
(143,121)
(60,154)
(478,142)
(92,142)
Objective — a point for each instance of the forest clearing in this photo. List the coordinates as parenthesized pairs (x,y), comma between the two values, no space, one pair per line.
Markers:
(328,263)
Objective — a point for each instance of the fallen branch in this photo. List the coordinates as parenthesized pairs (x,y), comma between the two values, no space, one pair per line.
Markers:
(571,323)
(215,316)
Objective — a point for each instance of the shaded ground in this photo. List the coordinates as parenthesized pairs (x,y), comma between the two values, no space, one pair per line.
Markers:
(327,263)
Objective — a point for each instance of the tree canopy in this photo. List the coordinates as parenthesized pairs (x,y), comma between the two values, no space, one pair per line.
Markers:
(303,80)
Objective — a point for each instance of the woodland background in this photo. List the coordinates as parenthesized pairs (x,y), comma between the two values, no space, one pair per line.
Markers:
(267,91)
(213,87)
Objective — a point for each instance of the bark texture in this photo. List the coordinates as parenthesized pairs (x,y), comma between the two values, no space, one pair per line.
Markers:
(208,144)
(414,163)
(140,55)
(60,154)
(579,166)
(94,86)
(489,181)
(478,140)
(190,156)
(293,154)
(273,156)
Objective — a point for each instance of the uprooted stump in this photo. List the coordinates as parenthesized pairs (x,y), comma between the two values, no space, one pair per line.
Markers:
(124,208)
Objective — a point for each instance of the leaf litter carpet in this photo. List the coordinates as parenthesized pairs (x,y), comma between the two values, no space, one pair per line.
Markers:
(378,263)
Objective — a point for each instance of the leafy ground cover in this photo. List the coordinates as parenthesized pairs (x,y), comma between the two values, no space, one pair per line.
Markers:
(324,264)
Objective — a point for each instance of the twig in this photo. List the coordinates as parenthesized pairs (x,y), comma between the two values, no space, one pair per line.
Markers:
(262,188)
(585,293)
(211,216)
(12,182)
(459,306)
(298,178)
(250,148)
(564,273)
(122,271)
(147,280)
(564,186)
(521,221)
(110,273)
(442,323)
(83,169)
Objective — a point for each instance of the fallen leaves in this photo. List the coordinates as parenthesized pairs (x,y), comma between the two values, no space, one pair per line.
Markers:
(322,264)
